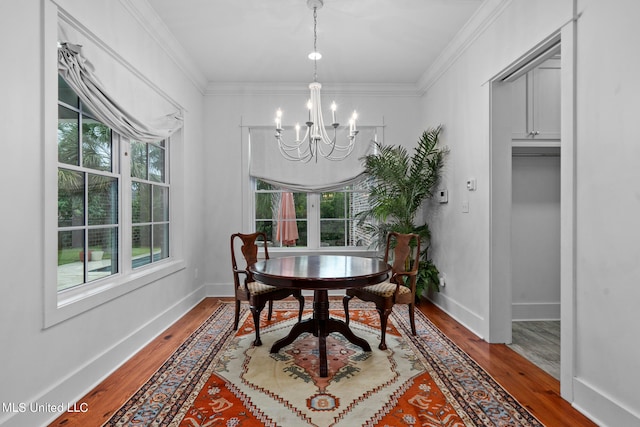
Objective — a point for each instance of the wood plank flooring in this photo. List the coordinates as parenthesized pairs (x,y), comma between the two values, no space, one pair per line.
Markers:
(539,342)
(529,384)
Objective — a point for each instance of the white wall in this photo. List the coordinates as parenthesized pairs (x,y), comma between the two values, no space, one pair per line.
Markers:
(608,208)
(62,362)
(606,350)
(224,144)
(535,238)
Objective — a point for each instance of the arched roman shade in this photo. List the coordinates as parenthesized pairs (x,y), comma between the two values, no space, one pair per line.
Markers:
(267,164)
(79,74)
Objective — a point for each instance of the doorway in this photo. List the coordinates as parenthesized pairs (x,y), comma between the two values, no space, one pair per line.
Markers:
(501,164)
(535,212)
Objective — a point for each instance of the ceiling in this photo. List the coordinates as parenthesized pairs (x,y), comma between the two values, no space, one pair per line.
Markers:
(267,41)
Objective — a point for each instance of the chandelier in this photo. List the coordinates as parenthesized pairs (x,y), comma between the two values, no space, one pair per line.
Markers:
(316,140)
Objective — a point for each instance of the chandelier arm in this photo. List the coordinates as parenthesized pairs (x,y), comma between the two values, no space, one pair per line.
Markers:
(330,143)
(338,157)
(302,148)
(343,156)
(288,146)
(303,156)
(335,146)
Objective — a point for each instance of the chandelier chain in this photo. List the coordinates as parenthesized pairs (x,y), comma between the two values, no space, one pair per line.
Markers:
(315,44)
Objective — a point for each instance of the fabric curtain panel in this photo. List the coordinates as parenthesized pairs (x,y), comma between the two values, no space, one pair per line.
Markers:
(266,162)
(79,75)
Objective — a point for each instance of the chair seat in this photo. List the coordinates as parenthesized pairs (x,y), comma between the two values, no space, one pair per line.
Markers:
(386,289)
(257,288)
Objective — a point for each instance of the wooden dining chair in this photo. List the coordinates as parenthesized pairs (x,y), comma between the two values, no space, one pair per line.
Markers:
(403,251)
(247,289)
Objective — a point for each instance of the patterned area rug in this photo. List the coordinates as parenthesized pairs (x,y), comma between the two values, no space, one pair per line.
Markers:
(217,378)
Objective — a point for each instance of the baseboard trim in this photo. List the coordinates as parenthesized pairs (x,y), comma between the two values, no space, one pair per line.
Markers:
(535,311)
(601,409)
(463,315)
(86,377)
(218,289)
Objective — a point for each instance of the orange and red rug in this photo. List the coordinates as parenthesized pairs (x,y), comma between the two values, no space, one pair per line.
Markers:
(218,378)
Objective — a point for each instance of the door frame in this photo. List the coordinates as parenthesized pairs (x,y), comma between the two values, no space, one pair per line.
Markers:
(500,310)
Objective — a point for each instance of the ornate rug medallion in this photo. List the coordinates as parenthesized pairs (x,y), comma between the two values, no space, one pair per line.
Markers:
(220,379)
(288,383)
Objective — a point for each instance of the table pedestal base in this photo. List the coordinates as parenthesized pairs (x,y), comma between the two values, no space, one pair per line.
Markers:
(321,325)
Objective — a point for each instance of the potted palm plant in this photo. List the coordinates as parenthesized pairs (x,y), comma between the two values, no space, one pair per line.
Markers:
(400,183)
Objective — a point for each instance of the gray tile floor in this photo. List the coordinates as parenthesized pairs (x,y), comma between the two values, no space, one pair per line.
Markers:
(538,341)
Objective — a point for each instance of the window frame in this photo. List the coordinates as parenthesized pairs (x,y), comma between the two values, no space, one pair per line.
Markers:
(58,307)
(86,227)
(313,221)
(163,145)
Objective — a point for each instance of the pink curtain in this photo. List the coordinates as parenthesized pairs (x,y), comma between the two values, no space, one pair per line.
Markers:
(287,230)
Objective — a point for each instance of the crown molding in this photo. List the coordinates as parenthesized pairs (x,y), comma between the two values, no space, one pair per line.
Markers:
(270,89)
(488,12)
(156,28)
(74,23)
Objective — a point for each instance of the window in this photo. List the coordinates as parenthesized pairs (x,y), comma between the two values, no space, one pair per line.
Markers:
(88,194)
(149,203)
(95,164)
(311,220)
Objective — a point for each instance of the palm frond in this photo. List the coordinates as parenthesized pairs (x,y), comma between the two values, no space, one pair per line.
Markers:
(400,184)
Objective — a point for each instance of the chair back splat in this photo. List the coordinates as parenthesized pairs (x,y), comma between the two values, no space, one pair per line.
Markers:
(246,288)
(402,251)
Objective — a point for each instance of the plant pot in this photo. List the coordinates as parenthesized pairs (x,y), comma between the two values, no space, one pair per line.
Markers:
(82,256)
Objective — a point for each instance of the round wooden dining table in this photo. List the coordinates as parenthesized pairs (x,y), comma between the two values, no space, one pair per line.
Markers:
(320,273)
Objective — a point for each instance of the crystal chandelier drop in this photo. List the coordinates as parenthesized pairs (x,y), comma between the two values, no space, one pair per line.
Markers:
(316,141)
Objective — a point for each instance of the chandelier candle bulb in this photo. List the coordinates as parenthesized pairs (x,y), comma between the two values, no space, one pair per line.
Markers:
(279,119)
(297,132)
(333,112)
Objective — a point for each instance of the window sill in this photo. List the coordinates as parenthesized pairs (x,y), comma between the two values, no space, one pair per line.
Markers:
(71,304)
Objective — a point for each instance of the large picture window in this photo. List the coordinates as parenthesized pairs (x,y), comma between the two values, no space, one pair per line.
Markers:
(95,164)
(311,219)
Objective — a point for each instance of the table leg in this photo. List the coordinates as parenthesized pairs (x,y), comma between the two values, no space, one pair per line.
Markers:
(298,329)
(321,314)
(335,325)
(321,325)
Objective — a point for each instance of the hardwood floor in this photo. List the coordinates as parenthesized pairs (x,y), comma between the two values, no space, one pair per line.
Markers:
(530,385)
(539,342)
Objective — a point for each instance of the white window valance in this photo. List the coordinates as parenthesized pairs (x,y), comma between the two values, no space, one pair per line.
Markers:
(79,74)
(267,164)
